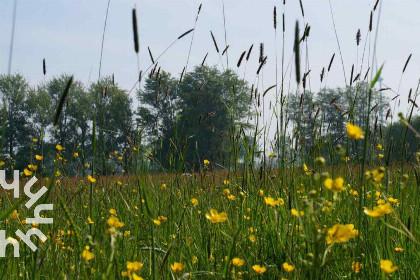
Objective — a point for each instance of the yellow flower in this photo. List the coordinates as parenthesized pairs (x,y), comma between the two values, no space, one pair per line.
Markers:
(136,277)
(379,147)
(288,267)
(162,219)
(90,220)
(115,222)
(386,266)
(2,163)
(398,249)
(163,187)
(206,162)
(14,214)
(226,191)
(259,269)
(27,172)
(215,217)
(127,233)
(134,266)
(356,267)
(379,211)
(194,259)
(336,185)
(238,262)
(393,200)
(354,132)
(91,179)
(252,238)
(341,233)
(231,197)
(177,267)
(76,154)
(261,192)
(380,155)
(306,169)
(59,148)
(157,222)
(194,201)
(296,213)
(226,182)
(86,255)
(112,211)
(32,167)
(272,202)
(35,140)
(38,157)
(271,155)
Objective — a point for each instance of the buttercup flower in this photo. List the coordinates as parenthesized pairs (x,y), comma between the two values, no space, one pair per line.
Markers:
(238,262)
(387,267)
(354,132)
(341,233)
(287,267)
(177,267)
(379,211)
(216,217)
(335,185)
(259,269)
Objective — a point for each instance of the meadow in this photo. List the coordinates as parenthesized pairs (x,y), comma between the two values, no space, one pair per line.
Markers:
(325,196)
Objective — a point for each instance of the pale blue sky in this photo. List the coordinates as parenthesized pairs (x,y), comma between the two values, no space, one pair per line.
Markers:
(68,34)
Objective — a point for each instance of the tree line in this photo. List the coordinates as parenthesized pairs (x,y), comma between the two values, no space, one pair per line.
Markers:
(177,124)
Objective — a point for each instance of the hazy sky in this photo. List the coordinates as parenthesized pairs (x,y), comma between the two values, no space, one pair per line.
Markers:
(68,34)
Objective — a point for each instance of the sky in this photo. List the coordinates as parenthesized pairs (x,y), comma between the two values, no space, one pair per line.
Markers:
(68,34)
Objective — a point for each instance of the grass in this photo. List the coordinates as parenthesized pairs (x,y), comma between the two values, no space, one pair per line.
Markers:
(275,210)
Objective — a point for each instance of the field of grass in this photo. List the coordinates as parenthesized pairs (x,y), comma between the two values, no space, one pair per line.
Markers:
(268,219)
(276,210)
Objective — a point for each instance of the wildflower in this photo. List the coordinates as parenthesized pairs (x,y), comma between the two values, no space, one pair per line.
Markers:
(163,187)
(259,269)
(206,162)
(91,179)
(272,202)
(177,267)
(320,160)
(35,140)
(162,219)
(379,147)
(393,200)
(38,157)
(252,238)
(90,221)
(86,255)
(2,163)
(306,169)
(194,259)
(32,167)
(115,222)
(296,213)
(216,217)
(238,262)
(127,233)
(379,211)
(354,132)
(194,201)
(380,155)
(14,214)
(335,185)
(353,193)
(341,233)
(134,266)
(76,154)
(271,155)
(261,192)
(27,172)
(356,267)
(288,267)
(59,148)
(226,182)
(386,266)
(57,173)
(112,211)
(231,197)
(398,249)
(226,191)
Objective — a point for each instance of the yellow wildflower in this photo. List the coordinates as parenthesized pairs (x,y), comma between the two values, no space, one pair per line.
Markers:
(59,148)
(177,267)
(86,255)
(216,217)
(341,233)
(91,179)
(354,132)
(288,267)
(115,222)
(238,262)
(386,266)
(38,157)
(335,185)
(379,211)
(259,269)
(356,267)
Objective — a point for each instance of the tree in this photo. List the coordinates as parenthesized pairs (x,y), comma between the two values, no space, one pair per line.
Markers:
(14,90)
